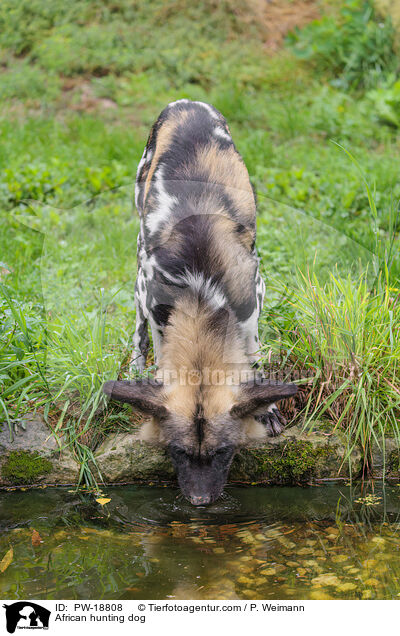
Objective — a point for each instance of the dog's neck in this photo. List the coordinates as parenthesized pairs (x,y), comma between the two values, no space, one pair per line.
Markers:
(202,358)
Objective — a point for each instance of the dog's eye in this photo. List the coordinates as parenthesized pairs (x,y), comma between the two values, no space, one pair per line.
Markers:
(177,451)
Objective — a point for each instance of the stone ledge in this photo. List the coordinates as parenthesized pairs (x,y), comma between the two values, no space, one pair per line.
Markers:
(293,457)
(27,448)
(290,458)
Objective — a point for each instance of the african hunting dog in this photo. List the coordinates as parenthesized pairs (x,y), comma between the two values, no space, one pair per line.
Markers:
(199,286)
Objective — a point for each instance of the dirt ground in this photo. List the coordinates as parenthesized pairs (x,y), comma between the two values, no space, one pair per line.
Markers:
(277,17)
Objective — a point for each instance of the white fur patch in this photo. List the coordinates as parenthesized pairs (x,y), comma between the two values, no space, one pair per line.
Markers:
(220,132)
(148,265)
(165,202)
(179,101)
(260,291)
(208,108)
(146,158)
(138,189)
(141,292)
(199,283)
(249,330)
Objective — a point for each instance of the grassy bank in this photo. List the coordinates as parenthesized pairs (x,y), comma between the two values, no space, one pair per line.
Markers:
(81,84)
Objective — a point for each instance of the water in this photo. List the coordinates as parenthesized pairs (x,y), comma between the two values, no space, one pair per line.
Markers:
(255,543)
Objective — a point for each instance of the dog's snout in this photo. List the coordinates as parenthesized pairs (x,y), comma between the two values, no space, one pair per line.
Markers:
(202,500)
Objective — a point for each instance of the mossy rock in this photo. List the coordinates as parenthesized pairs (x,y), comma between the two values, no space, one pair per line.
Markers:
(25,467)
(386,457)
(393,463)
(123,457)
(297,461)
(296,457)
(33,455)
(300,461)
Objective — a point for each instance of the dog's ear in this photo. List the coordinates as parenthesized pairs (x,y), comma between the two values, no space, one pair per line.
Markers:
(255,397)
(145,395)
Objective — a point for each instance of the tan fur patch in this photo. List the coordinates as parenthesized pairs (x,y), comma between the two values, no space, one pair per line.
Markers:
(170,237)
(253,430)
(198,358)
(234,254)
(163,141)
(192,353)
(149,432)
(225,167)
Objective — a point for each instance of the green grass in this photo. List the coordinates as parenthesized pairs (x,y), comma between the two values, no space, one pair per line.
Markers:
(342,337)
(356,45)
(83,82)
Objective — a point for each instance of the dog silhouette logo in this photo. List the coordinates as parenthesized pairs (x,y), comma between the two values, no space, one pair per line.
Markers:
(26,615)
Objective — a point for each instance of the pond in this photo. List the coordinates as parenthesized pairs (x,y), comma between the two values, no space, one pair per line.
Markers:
(319,542)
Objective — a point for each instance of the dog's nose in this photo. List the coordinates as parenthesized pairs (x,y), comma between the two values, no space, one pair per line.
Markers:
(202,500)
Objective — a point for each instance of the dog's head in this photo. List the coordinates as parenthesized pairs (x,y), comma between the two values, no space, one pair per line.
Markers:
(201,434)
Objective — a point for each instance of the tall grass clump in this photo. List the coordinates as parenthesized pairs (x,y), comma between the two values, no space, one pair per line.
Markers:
(59,368)
(22,355)
(346,336)
(82,353)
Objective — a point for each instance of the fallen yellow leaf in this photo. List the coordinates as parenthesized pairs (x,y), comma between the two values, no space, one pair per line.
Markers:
(36,538)
(6,560)
(372,582)
(346,587)
(325,579)
(103,500)
(244,580)
(304,551)
(319,595)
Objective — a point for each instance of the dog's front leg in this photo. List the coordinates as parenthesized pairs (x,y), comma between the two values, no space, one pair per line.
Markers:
(141,339)
(156,332)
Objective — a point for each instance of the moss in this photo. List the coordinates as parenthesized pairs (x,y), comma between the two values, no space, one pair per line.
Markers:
(24,467)
(321,425)
(297,461)
(394,462)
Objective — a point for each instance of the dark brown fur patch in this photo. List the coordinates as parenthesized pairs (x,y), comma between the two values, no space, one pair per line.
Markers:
(258,395)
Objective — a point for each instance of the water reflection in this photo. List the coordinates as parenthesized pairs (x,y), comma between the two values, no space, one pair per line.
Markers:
(332,541)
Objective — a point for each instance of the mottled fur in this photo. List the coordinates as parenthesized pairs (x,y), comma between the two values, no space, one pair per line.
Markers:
(199,286)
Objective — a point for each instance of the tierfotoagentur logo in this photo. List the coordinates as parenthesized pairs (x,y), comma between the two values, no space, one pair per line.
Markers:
(26,615)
